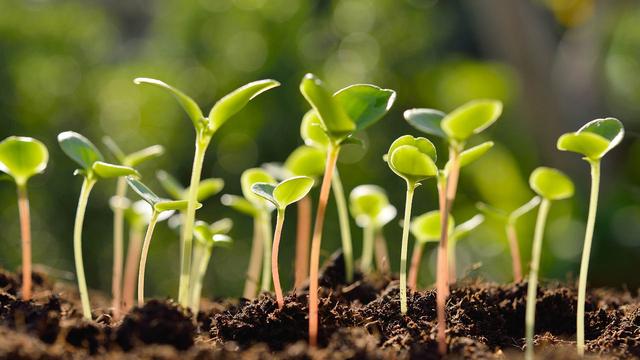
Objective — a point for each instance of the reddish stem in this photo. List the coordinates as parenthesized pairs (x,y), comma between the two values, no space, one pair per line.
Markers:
(25,231)
(131,267)
(416,258)
(302,241)
(274,258)
(512,236)
(382,255)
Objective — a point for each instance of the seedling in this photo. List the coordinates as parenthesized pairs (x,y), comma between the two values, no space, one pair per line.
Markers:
(371,209)
(425,228)
(456,127)
(205,127)
(92,167)
(21,158)
(207,236)
(551,185)
(593,140)
(351,109)
(281,195)
(131,160)
(413,159)
(158,206)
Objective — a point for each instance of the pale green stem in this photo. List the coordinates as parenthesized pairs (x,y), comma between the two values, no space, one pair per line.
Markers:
(118,248)
(367,248)
(201,264)
(345,229)
(405,247)
(265,225)
(143,257)
(198,250)
(586,253)
(532,289)
(87,185)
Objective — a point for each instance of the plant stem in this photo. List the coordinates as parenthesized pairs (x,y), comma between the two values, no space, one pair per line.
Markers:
(405,247)
(118,240)
(586,254)
(25,232)
(512,236)
(145,253)
(303,232)
(367,248)
(316,242)
(265,225)
(196,260)
(416,259)
(189,218)
(255,262)
(345,229)
(131,266)
(532,289)
(382,255)
(274,258)
(201,264)
(87,185)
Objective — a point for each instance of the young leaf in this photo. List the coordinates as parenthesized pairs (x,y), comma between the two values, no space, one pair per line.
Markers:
(367,202)
(190,107)
(208,188)
(530,205)
(173,205)
(141,189)
(136,158)
(22,157)
(421,143)
(466,227)
(474,153)
(594,139)
(222,226)
(306,161)
(427,227)
(313,132)
(551,184)
(265,191)
(170,184)
(292,190)
(335,120)
(79,149)
(106,170)
(365,104)
(412,158)
(239,204)
(471,118)
(426,120)
(250,177)
(222,240)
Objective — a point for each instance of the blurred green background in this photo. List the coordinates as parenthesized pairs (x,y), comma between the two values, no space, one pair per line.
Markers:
(556,64)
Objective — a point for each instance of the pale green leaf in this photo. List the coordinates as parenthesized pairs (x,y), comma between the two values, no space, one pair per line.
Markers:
(313,132)
(239,204)
(107,171)
(22,157)
(365,104)
(292,190)
(250,177)
(306,161)
(170,184)
(427,227)
(140,156)
(551,183)
(190,107)
(79,149)
(143,190)
(426,120)
(265,191)
(335,120)
(471,118)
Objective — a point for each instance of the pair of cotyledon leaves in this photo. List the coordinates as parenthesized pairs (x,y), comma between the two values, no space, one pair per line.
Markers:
(369,205)
(214,234)
(157,203)
(22,157)
(594,139)
(250,203)
(427,227)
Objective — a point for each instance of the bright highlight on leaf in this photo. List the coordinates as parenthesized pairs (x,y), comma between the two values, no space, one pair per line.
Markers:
(285,193)
(79,149)
(471,118)
(412,158)
(594,139)
(551,184)
(22,157)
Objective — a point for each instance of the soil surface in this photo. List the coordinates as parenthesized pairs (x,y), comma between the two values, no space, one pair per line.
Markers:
(360,320)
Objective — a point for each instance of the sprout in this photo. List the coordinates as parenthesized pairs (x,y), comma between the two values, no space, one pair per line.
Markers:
(131,160)
(351,109)
(456,127)
(205,127)
(413,159)
(207,237)
(281,195)
(371,209)
(158,206)
(85,154)
(21,158)
(551,185)
(593,140)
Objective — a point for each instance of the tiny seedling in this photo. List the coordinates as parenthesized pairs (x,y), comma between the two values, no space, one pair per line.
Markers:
(594,140)
(21,158)
(85,154)
(456,127)
(205,127)
(413,159)
(371,209)
(207,237)
(281,195)
(351,109)
(551,185)
(425,228)
(158,206)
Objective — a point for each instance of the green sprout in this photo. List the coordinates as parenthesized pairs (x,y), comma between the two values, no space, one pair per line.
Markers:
(92,167)
(205,127)
(351,109)
(158,206)
(21,158)
(456,127)
(551,185)
(371,209)
(131,160)
(207,237)
(281,195)
(413,159)
(593,140)
(425,228)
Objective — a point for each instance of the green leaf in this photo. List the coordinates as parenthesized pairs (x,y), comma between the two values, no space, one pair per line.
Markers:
(313,132)
(387,214)
(170,184)
(474,153)
(190,107)
(332,115)
(471,118)
(239,204)
(551,183)
(265,191)
(427,227)
(174,205)
(426,120)
(233,102)
(79,149)
(141,189)
(306,161)
(352,140)
(594,139)
(366,202)
(412,158)
(466,227)
(222,240)
(106,170)
(421,143)
(140,156)
(208,188)
(222,226)
(522,210)
(22,157)
(202,233)
(292,190)
(250,177)
(365,104)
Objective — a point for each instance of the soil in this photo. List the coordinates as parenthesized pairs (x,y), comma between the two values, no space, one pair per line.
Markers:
(360,320)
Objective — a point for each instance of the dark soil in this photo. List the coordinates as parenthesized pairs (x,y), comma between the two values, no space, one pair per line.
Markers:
(360,320)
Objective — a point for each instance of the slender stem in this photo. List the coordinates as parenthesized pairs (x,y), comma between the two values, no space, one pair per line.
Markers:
(586,254)
(367,248)
(316,242)
(118,240)
(255,262)
(512,236)
(303,232)
(131,265)
(143,257)
(416,259)
(196,261)
(189,218)
(25,232)
(274,258)
(265,225)
(87,185)
(382,255)
(345,229)
(532,289)
(201,264)
(405,247)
